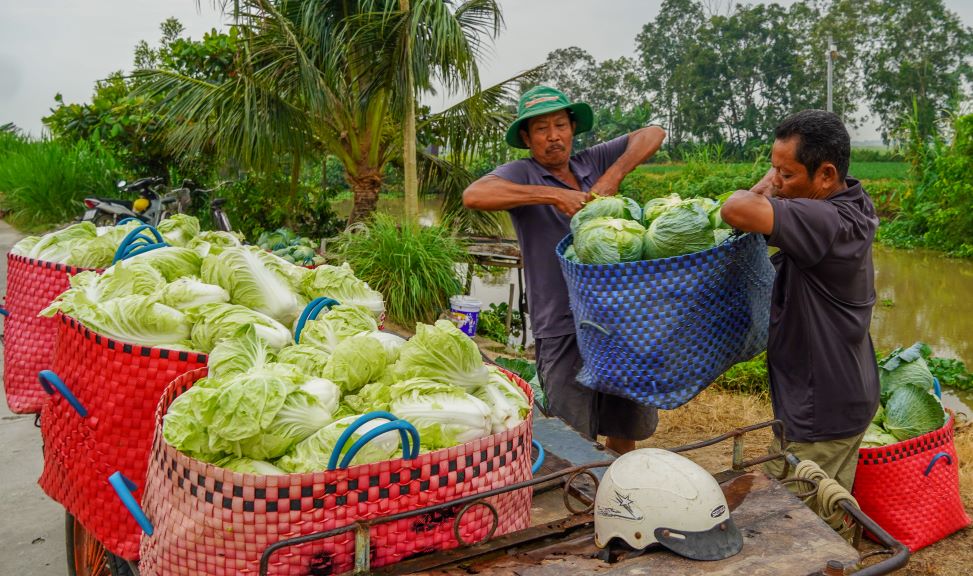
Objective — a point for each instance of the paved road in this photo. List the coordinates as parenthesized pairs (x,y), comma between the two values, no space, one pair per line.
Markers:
(31,524)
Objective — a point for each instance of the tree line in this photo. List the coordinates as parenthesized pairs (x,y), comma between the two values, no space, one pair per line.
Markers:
(717,74)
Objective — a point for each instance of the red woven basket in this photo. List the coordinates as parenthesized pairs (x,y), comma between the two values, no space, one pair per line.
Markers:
(911,488)
(28,341)
(212,521)
(118,386)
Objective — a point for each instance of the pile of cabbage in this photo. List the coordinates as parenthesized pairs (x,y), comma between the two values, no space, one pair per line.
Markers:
(909,406)
(291,247)
(190,297)
(613,229)
(86,246)
(268,410)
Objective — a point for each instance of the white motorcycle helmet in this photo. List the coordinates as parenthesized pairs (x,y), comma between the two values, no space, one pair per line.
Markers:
(653,495)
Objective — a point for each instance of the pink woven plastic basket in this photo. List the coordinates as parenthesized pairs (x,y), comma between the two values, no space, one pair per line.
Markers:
(28,340)
(911,488)
(100,420)
(208,520)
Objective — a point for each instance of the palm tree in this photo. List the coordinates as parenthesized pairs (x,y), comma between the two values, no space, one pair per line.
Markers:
(317,77)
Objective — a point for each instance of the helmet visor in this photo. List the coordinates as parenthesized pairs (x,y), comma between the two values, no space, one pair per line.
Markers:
(721,541)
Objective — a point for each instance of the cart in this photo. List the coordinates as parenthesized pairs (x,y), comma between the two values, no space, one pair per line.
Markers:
(782,536)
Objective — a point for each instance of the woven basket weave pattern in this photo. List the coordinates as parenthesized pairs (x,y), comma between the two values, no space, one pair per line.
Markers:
(120,386)
(659,331)
(29,340)
(892,487)
(208,520)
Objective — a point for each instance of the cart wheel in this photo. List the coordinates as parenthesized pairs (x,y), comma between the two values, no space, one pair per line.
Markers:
(87,556)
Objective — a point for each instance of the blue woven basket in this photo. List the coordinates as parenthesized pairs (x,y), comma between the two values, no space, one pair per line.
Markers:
(659,331)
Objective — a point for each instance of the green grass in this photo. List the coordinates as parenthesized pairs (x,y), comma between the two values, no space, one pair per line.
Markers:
(879,170)
(43,183)
(414,267)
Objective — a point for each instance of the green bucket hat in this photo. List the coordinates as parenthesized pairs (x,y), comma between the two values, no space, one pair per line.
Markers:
(541,100)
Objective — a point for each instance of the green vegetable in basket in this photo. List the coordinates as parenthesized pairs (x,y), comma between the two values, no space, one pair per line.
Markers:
(877,436)
(912,411)
(333,326)
(355,362)
(312,453)
(136,319)
(255,279)
(304,412)
(444,418)
(308,359)
(215,322)
(173,261)
(904,367)
(191,292)
(681,229)
(606,207)
(179,229)
(656,206)
(57,246)
(507,402)
(609,241)
(241,353)
(443,353)
(341,284)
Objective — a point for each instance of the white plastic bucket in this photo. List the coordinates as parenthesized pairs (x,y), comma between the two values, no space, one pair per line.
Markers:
(464,311)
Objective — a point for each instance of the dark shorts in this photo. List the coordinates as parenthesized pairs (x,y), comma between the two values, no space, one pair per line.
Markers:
(590,413)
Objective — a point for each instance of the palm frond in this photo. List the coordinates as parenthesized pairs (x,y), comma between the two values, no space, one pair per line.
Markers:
(441,176)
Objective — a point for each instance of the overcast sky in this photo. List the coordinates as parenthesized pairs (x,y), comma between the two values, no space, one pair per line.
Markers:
(51,46)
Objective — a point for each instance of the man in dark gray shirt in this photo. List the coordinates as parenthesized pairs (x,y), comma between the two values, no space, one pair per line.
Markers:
(542,193)
(823,376)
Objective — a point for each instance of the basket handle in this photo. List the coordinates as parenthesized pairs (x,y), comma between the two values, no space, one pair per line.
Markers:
(311,312)
(937,388)
(410,450)
(124,487)
(51,381)
(540,457)
(4,312)
(137,242)
(126,220)
(937,458)
(598,327)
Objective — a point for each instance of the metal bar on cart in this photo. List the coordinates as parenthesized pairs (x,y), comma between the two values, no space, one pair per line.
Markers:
(900,554)
(362,537)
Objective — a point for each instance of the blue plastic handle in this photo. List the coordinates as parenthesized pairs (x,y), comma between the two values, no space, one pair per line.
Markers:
(124,487)
(4,311)
(137,237)
(350,430)
(937,458)
(937,388)
(50,381)
(311,312)
(126,220)
(408,452)
(540,457)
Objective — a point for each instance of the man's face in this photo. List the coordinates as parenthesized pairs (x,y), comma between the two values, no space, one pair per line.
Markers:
(790,176)
(549,137)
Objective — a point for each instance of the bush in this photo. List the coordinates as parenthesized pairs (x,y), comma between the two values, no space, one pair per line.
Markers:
(413,266)
(42,184)
(260,203)
(493,323)
(749,377)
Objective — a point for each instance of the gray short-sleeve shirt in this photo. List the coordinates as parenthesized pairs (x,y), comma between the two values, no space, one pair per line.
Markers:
(540,227)
(823,376)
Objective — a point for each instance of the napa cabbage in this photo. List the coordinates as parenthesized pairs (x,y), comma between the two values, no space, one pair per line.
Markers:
(443,353)
(191,292)
(253,279)
(215,322)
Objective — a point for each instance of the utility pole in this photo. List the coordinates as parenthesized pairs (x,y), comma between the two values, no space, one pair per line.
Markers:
(830,57)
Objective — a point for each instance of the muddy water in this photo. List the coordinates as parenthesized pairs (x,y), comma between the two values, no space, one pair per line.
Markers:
(921,296)
(925,296)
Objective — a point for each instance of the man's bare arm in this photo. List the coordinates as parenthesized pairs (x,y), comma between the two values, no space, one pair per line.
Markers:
(748,211)
(642,144)
(494,193)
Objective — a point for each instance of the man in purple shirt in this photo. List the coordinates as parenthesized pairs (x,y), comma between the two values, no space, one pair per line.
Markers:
(542,193)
